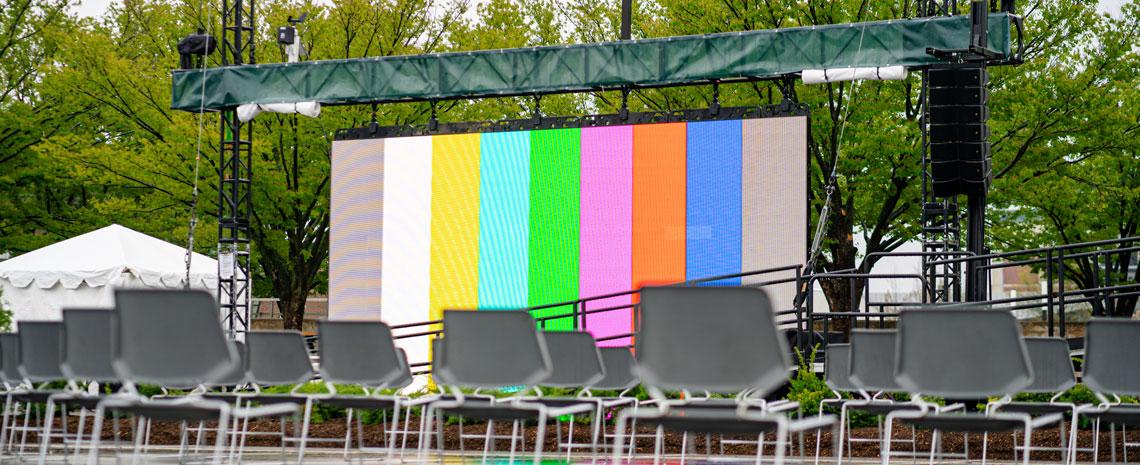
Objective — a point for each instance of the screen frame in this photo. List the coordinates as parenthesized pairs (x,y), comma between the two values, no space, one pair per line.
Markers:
(541,122)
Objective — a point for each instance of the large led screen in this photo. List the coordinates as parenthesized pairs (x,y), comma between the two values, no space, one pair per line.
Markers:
(506,220)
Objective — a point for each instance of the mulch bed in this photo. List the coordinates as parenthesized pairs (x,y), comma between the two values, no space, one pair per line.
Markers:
(1000,445)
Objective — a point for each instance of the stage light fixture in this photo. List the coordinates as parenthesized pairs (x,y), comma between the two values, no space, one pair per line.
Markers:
(193,49)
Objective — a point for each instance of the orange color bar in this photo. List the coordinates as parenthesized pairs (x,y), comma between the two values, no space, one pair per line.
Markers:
(658,204)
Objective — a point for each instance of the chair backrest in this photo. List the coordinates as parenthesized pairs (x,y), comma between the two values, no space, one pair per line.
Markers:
(237,372)
(620,367)
(719,339)
(277,357)
(10,357)
(39,350)
(87,345)
(961,353)
(873,360)
(574,359)
(1111,365)
(837,367)
(357,352)
(405,377)
(1052,365)
(492,349)
(169,338)
(437,361)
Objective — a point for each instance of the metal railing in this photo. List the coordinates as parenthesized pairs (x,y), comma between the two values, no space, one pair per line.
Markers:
(808,326)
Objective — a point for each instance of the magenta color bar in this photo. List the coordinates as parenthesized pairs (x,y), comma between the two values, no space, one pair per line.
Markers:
(606,251)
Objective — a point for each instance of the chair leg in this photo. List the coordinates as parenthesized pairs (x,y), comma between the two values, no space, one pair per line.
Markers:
(4,429)
(514,434)
(347,434)
(1028,442)
(45,441)
(540,439)
(304,436)
(781,441)
(96,436)
(220,440)
(487,438)
(619,436)
(79,431)
(885,448)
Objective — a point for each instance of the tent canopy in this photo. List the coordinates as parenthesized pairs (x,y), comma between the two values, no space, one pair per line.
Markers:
(84,270)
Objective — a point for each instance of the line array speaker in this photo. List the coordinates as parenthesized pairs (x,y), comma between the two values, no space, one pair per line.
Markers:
(958,131)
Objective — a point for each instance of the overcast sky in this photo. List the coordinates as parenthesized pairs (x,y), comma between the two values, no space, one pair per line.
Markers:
(98,7)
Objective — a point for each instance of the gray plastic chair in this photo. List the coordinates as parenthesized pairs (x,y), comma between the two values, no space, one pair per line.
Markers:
(39,357)
(439,377)
(837,368)
(172,338)
(872,370)
(574,359)
(873,360)
(490,350)
(87,345)
(85,355)
(620,370)
(40,343)
(405,379)
(362,353)
(235,374)
(1052,374)
(13,380)
(716,339)
(1111,369)
(961,354)
(1111,365)
(169,338)
(357,352)
(10,358)
(278,358)
(710,339)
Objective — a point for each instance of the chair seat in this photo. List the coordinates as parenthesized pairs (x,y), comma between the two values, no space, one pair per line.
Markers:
(880,407)
(169,410)
(35,397)
(966,422)
(484,409)
(708,419)
(1035,408)
(80,400)
(267,399)
(556,402)
(1123,414)
(358,402)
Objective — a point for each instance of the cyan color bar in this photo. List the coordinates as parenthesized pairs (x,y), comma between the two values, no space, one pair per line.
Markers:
(712,211)
(504,216)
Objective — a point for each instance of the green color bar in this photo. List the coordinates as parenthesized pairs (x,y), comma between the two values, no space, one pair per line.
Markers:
(576,68)
(554,190)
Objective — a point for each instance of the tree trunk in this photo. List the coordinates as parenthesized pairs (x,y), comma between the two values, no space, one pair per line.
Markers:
(292,311)
(839,292)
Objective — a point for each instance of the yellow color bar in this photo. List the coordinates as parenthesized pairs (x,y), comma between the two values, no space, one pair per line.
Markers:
(454,223)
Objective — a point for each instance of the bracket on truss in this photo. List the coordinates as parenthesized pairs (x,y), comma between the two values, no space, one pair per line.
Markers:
(433,121)
(537,117)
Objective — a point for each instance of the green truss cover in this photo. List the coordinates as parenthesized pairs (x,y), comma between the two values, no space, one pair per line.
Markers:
(570,68)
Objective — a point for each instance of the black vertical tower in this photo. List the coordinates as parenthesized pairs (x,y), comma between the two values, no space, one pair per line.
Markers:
(234,194)
(957,162)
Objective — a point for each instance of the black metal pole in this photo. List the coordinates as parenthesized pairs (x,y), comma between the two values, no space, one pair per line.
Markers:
(976,283)
(626,19)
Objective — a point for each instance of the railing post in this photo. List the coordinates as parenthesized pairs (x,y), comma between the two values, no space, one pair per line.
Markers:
(1061,290)
(805,334)
(1049,290)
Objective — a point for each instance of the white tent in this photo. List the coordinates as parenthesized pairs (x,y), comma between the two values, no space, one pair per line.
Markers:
(85,270)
